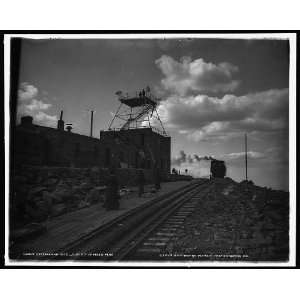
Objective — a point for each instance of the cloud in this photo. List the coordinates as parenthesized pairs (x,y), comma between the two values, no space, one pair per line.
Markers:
(204,118)
(36,105)
(27,92)
(237,159)
(29,104)
(178,160)
(250,154)
(187,76)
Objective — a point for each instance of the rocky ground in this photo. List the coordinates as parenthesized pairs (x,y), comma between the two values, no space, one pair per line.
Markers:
(41,193)
(236,221)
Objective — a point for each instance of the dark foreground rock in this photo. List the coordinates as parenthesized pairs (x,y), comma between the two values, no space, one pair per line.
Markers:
(236,222)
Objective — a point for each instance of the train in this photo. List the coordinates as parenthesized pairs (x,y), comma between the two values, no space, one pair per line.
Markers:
(217,168)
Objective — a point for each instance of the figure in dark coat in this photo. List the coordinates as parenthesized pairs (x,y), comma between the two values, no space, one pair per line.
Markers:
(141,182)
(112,192)
(156,178)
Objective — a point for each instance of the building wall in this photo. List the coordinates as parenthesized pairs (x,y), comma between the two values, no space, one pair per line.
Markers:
(135,148)
(38,145)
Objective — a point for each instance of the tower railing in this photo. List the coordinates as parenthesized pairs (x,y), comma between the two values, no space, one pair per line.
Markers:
(137,95)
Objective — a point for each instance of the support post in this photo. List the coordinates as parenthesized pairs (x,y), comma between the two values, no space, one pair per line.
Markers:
(246,156)
(92,116)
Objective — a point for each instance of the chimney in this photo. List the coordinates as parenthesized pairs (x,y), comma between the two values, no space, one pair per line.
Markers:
(69,128)
(60,122)
(26,121)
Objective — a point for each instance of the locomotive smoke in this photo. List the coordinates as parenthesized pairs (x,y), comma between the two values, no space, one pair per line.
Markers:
(184,158)
(200,158)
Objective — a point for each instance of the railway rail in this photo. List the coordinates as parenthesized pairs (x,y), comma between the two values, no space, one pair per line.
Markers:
(142,233)
(138,234)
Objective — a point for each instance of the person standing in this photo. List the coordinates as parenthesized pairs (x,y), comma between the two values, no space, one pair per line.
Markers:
(141,182)
(112,192)
(156,177)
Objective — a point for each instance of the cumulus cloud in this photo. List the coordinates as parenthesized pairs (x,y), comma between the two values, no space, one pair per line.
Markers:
(27,92)
(250,154)
(30,104)
(187,77)
(237,159)
(203,117)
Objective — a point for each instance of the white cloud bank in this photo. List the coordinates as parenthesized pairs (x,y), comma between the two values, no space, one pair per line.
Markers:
(205,118)
(29,104)
(190,109)
(187,76)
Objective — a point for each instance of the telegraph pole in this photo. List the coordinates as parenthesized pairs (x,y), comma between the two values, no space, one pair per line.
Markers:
(92,116)
(246,156)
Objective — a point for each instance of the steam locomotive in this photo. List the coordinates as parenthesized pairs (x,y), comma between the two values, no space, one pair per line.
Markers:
(217,168)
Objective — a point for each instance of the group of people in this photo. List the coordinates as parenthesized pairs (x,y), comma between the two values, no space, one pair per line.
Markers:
(112,195)
(142,93)
(177,172)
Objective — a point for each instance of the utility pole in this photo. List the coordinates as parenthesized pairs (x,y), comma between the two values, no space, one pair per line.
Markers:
(92,116)
(246,156)
(60,122)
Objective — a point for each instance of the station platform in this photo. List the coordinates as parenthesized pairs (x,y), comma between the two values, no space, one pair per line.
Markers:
(67,228)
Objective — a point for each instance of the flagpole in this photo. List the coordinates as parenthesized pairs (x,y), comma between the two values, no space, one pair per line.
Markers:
(246,156)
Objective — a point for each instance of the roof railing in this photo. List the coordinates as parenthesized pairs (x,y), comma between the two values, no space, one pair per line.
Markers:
(132,128)
(137,95)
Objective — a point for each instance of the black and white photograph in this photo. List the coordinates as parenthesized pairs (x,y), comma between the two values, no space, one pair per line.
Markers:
(151,149)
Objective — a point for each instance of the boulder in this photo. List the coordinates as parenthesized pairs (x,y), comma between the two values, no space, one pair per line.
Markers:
(50,198)
(29,231)
(43,210)
(36,209)
(58,209)
(86,185)
(83,203)
(62,191)
(36,192)
(51,181)
(94,196)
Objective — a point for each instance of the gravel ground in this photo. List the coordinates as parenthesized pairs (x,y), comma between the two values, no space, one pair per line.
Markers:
(239,222)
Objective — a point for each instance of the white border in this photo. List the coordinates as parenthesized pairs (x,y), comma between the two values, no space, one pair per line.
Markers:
(292,144)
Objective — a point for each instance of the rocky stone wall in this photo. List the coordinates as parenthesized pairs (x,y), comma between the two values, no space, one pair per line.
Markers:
(38,193)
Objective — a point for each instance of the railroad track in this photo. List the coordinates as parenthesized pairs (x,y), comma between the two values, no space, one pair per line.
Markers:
(140,233)
(151,244)
(143,230)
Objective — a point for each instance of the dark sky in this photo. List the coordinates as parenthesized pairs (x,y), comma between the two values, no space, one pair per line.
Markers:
(213,91)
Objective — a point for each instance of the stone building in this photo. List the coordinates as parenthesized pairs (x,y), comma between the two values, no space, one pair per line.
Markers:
(135,148)
(132,148)
(40,145)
